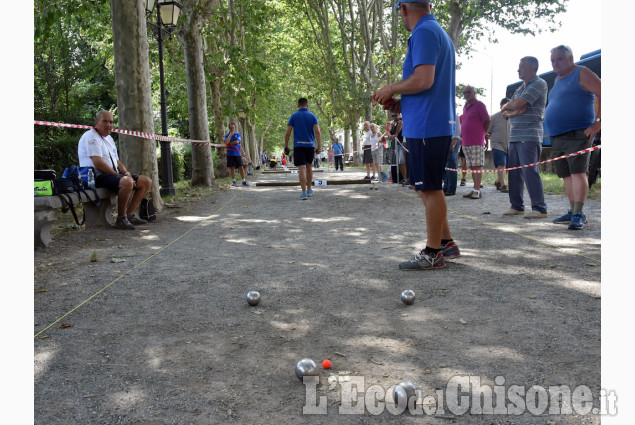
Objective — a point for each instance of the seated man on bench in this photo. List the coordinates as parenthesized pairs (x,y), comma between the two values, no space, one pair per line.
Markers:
(97,149)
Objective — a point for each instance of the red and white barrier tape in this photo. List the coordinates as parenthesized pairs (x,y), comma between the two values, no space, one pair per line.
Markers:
(583,151)
(134,133)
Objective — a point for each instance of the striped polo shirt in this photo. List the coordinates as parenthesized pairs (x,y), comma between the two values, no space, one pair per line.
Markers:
(527,127)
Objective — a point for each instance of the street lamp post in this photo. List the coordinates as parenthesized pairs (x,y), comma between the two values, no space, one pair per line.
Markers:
(491,80)
(167,15)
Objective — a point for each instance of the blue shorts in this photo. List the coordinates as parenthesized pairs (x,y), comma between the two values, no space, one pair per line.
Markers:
(427,161)
(303,156)
(111,181)
(500,158)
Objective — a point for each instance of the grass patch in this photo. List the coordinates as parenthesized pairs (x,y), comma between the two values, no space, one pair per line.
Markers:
(551,184)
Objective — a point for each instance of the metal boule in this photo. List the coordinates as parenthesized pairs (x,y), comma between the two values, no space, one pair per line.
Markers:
(404,391)
(408,297)
(253,297)
(305,367)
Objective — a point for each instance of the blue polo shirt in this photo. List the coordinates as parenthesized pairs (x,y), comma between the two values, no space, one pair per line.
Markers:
(233,150)
(302,122)
(430,113)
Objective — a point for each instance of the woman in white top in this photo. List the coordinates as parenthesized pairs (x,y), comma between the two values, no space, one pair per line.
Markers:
(377,151)
(366,149)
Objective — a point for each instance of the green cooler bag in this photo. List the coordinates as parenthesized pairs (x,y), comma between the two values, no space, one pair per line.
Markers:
(43,188)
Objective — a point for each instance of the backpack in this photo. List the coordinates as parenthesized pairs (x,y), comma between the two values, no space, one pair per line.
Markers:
(78,178)
(146,209)
(74,179)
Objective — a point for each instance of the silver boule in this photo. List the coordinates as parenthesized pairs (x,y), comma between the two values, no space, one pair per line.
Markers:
(305,367)
(253,297)
(404,391)
(408,297)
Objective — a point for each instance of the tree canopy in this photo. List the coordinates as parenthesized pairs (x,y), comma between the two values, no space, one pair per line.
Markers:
(259,56)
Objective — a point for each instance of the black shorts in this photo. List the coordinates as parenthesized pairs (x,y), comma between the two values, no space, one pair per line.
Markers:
(272,164)
(111,181)
(368,156)
(568,143)
(303,156)
(234,162)
(427,162)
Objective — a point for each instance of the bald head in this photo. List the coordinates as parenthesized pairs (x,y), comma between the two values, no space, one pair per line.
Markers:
(104,123)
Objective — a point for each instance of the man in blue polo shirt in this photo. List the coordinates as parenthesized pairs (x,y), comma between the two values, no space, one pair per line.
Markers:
(428,109)
(234,159)
(306,130)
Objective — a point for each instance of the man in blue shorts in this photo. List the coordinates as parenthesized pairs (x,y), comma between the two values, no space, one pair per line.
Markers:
(97,149)
(428,109)
(306,130)
(234,158)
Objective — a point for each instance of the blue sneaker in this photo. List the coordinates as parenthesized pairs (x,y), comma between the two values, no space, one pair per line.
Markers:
(304,196)
(577,221)
(565,219)
(245,183)
(234,183)
(309,192)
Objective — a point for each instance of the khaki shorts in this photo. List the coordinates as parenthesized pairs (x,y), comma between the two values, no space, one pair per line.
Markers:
(378,156)
(474,155)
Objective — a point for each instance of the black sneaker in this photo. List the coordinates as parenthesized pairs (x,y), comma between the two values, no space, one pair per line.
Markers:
(136,220)
(123,223)
(424,261)
(367,178)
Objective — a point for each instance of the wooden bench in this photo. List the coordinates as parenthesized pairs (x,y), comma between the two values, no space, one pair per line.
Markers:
(45,212)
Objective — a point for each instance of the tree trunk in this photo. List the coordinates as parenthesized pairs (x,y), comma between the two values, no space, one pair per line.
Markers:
(253,147)
(202,166)
(347,143)
(456,25)
(357,157)
(217,108)
(134,98)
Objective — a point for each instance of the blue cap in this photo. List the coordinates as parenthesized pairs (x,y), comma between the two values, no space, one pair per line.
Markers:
(409,1)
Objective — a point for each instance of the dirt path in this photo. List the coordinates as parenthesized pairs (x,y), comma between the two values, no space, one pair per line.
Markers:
(160,332)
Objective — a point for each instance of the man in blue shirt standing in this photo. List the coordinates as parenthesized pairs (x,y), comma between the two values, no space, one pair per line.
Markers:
(234,159)
(338,154)
(428,108)
(306,130)
(573,122)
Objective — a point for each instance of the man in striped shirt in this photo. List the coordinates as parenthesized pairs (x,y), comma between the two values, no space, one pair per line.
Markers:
(526,111)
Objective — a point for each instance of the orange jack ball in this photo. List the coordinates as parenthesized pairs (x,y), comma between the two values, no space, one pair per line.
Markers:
(326,364)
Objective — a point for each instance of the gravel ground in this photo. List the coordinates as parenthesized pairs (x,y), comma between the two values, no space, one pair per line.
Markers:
(157,331)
